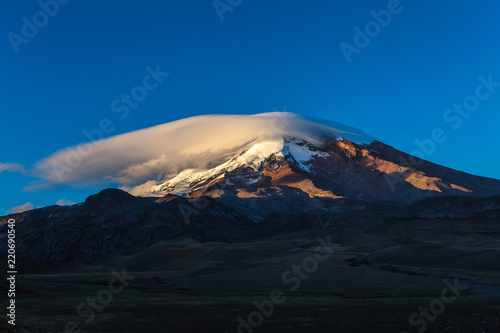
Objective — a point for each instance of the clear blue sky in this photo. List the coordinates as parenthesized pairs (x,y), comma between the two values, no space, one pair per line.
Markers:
(263,55)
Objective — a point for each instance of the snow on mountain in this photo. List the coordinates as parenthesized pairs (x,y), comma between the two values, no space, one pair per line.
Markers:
(254,157)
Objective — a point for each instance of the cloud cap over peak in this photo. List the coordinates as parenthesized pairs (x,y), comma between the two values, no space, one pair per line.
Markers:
(200,142)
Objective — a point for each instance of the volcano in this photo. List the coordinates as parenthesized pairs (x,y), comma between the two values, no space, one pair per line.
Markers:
(316,165)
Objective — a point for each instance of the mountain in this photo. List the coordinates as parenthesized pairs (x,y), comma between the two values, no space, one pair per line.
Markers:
(322,169)
(308,176)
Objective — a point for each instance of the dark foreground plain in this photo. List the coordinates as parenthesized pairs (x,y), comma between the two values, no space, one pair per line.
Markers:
(378,274)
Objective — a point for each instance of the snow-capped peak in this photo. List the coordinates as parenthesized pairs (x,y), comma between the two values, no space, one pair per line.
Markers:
(254,157)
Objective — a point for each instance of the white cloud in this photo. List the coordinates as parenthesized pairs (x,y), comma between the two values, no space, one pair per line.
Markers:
(12,167)
(22,208)
(64,202)
(159,153)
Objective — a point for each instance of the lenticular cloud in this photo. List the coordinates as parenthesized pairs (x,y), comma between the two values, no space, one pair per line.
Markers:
(202,142)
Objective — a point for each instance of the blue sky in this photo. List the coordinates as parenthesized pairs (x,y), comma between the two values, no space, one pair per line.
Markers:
(264,55)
